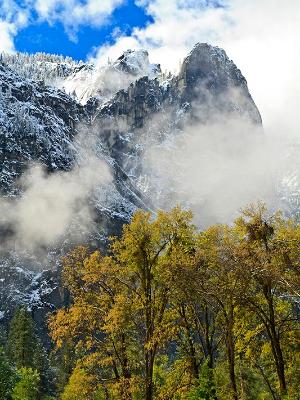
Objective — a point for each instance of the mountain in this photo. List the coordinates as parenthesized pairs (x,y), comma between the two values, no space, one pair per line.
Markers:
(57,112)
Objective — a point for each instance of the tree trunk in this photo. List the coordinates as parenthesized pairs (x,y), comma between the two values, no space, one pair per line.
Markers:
(149,375)
(231,354)
(231,364)
(127,376)
(191,347)
(275,342)
(273,335)
(265,377)
(149,354)
(209,340)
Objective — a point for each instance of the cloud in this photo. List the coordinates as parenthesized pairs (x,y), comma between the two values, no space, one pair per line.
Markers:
(218,163)
(12,19)
(7,32)
(75,13)
(177,26)
(214,169)
(17,14)
(264,42)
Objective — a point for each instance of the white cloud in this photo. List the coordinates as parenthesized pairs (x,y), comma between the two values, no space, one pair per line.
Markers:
(264,42)
(71,13)
(7,32)
(12,18)
(261,36)
(177,26)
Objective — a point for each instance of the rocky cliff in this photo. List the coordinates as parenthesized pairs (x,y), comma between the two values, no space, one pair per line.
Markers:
(120,109)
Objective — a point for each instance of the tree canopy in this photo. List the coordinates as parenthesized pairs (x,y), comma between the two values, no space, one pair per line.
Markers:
(173,313)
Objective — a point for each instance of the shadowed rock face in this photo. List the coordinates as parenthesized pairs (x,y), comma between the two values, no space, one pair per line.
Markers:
(40,123)
(209,67)
(208,76)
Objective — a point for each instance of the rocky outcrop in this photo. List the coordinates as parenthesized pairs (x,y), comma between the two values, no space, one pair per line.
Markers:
(136,63)
(208,77)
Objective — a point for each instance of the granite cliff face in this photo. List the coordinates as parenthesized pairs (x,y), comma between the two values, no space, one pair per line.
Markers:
(208,76)
(38,123)
(120,109)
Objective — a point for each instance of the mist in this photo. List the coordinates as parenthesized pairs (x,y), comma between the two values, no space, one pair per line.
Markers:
(219,167)
(54,206)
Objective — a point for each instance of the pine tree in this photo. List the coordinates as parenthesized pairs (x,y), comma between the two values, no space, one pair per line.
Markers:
(26,350)
(7,376)
(22,341)
(42,365)
(3,336)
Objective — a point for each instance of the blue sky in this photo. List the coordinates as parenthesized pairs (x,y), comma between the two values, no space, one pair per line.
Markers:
(53,38)
(80,28)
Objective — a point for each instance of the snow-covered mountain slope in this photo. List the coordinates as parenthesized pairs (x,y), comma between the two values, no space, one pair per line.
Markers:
(50,69)
(104,81)
(82,80)
(118,112)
